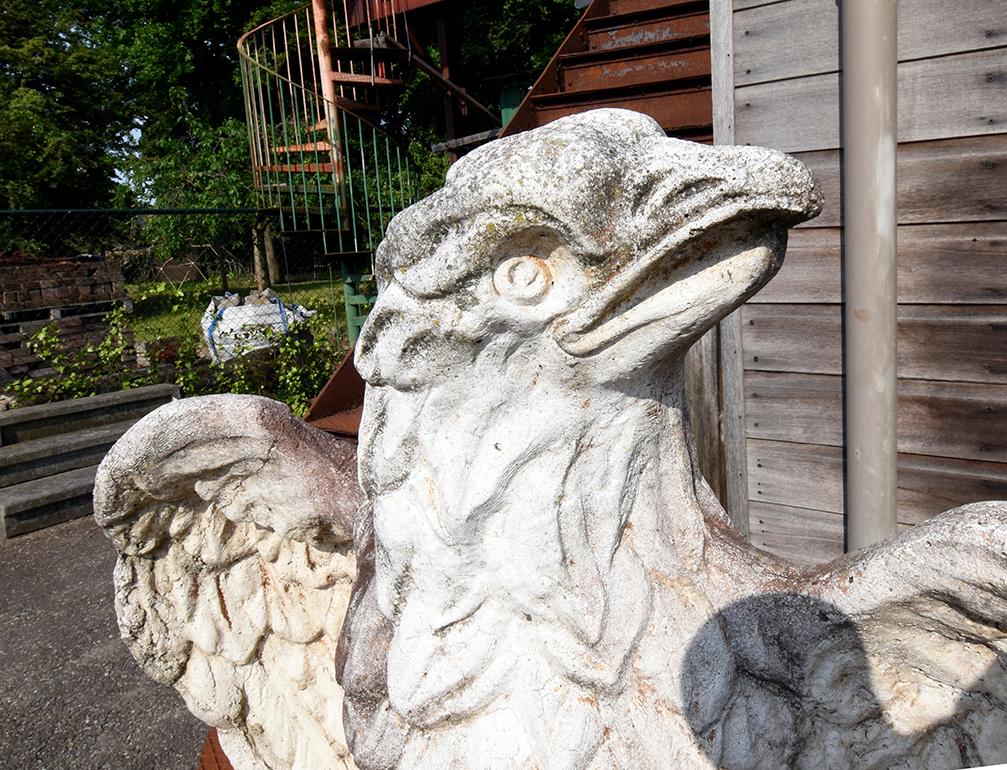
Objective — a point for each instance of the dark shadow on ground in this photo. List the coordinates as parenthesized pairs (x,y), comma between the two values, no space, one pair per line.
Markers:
(71,696)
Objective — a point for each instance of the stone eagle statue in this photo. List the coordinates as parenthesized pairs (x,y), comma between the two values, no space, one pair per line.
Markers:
(541,578)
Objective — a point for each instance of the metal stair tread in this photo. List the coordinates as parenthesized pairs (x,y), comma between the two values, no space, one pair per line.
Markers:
(299,168)
(355,79)
(652,88)
(627,52)
(379,41)
(285,188)
(668,9)
(304,147)
(352,106)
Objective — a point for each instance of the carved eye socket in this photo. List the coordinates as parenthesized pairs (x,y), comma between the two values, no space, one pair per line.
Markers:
(524,280)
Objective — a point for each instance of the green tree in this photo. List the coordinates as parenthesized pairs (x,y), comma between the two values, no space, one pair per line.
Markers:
(192,148)
(517,37)
(64,116)
(208,168)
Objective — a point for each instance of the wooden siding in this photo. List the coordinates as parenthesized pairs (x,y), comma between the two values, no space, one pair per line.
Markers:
(803,536)
(799,38)
(973,251)
(940,342)
(783,473)
(953,180)
(952,194)
(961,420)
(960,95)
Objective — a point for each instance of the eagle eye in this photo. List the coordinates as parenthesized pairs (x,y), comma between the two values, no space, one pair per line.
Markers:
(523,280)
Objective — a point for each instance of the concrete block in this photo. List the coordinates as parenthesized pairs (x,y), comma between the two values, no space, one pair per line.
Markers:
(45,502)
(35,422)
(43,457)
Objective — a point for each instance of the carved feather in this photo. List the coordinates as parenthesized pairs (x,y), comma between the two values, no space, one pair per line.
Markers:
(233,523)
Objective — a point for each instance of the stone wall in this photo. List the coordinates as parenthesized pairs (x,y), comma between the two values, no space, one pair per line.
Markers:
(74,293)
(31,284)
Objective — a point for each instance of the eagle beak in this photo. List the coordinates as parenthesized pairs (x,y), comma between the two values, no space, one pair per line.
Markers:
(722,240)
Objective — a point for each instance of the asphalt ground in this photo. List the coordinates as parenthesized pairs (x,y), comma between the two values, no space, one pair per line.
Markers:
(71,695)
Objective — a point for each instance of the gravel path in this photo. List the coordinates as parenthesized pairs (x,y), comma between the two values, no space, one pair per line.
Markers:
(71,695)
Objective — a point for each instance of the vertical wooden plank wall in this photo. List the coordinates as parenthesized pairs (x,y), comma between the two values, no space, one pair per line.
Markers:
(952,188)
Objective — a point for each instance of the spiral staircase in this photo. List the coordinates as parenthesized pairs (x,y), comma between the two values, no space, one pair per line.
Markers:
(314,82)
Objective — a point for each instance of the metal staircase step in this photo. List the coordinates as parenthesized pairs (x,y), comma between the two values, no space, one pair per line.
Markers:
(380,40)
(305,147)
(639,29)
(624,7)
(354,79)
(298,168)
(633,66)
(673,104)
(351,105)
(284,188)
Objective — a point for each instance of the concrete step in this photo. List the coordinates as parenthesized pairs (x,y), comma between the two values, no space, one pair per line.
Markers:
(34,422)
(43,457)
(630,66)
(45,502)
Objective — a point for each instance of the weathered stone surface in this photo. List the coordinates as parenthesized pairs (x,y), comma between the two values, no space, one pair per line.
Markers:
(233,521)
(543,578)
(553,580)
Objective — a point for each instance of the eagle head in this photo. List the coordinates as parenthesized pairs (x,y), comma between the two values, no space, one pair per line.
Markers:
(596,240)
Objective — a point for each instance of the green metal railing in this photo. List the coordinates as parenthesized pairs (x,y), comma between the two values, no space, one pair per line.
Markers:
(327,170)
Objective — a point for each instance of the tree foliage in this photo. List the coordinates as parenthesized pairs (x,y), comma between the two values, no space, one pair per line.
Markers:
(206,168)
(64,111)
(516,37)
(108,102)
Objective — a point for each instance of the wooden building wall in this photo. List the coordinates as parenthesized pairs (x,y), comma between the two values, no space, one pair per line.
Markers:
(782,352)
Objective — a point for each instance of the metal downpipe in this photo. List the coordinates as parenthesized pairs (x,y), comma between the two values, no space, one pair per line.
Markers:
(869,136)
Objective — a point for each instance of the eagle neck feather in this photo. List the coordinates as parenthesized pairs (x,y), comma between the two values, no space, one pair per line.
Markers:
(526,557)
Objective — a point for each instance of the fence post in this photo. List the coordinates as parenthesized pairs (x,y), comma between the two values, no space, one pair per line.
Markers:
(272,263)
(259,255)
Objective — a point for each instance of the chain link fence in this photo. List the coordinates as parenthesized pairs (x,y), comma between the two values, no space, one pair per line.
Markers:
(96,300)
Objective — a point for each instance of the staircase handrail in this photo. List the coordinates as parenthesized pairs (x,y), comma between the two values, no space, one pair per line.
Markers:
(300,110)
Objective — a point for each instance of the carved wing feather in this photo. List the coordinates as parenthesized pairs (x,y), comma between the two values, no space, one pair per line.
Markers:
(930,609)
(233,523)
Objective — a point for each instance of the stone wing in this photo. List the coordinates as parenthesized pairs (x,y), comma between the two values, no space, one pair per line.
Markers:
(930,610)
(233,522)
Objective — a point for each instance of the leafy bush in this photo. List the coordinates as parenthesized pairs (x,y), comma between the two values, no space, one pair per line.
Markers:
(96,368)
(292,370)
